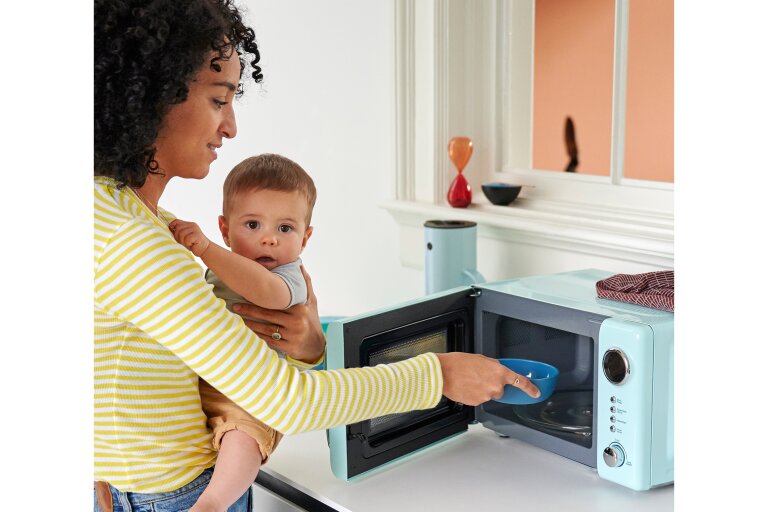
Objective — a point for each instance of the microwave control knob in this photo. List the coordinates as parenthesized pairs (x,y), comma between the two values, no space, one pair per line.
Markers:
(614,455)
(615,366)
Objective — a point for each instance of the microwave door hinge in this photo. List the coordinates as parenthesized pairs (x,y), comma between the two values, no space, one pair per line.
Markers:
(475,292)
(361,437)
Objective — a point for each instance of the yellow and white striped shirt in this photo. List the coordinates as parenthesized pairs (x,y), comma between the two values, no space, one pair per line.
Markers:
(157,326)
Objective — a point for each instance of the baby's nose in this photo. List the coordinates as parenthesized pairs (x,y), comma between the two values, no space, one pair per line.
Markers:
(269,240)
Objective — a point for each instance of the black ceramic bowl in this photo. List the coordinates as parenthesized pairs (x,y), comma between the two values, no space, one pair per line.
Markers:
(501,193)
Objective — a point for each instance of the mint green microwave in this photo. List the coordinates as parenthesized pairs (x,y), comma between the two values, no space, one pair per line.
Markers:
(613,406)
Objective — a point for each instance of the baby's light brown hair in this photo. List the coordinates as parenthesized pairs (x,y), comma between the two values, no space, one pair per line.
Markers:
(269,172)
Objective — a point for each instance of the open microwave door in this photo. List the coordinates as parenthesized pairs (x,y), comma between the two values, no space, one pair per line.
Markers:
(442,322)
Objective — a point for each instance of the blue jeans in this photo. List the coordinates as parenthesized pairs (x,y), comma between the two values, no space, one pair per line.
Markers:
(178,500)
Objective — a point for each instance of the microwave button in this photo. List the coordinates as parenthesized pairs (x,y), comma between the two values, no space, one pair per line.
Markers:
(613,399)
(614,455)
(615,366)
(613,428)
(613,419)
(613,408)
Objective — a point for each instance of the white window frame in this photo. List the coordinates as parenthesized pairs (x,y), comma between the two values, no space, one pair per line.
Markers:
(452,79)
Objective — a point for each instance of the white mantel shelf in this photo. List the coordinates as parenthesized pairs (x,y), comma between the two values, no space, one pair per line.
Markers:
(623,234)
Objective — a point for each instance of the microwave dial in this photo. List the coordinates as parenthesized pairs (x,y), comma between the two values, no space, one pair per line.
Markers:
(615,366)
(614,455)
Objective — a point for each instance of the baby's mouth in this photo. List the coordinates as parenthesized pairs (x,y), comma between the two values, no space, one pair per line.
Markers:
(265,260)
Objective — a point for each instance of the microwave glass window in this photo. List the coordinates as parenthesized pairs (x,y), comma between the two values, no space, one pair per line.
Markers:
(435,341)
(432,342)
(391,421)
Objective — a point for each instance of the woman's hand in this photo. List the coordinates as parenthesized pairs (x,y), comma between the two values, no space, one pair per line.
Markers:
(301,335)
(472,379)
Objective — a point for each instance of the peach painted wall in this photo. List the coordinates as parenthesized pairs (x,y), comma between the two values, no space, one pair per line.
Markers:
(649,141)
(573,76)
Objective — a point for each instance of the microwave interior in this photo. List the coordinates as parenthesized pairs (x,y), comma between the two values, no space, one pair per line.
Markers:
(567,414)
(497,325)
(518,327)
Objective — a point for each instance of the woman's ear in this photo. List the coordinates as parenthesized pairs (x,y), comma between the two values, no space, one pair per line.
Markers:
(224,228)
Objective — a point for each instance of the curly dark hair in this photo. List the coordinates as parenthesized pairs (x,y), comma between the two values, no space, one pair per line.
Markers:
(145,53)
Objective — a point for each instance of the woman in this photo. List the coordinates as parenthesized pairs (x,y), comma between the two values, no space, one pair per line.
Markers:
(166,73)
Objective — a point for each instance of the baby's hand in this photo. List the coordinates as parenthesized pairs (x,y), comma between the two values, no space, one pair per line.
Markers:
(190,236)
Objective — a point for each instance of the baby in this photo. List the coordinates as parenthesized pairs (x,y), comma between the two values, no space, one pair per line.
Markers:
(268,202)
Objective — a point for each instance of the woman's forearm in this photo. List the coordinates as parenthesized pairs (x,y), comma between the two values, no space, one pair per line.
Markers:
(180,313)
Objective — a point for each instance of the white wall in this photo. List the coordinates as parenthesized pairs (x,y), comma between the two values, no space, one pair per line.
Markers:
(327,102)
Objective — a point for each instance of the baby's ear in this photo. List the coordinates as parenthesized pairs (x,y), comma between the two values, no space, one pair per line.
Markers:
(307,234)
(224,228)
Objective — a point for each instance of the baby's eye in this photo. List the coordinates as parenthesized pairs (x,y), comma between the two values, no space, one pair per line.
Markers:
(285,228)
(252,224)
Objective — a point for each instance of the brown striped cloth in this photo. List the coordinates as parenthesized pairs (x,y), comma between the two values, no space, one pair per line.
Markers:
(651,289)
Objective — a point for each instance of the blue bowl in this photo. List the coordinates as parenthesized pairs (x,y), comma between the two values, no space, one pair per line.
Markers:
(501,194)
(543,375)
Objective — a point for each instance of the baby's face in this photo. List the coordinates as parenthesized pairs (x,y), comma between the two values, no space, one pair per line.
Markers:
(267,226)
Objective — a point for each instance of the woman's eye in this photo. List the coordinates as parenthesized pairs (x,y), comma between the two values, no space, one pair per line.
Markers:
(252,224)
(219,104)
(285,228)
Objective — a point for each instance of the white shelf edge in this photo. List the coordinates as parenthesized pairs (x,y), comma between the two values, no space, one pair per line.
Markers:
(603,232)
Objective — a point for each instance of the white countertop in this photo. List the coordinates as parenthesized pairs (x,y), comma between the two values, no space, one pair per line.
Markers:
(473,471)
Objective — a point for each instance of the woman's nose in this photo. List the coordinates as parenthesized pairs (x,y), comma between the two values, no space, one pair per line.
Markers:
(228,128)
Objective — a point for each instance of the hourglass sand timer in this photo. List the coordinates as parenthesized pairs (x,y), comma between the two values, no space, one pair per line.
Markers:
(459,193)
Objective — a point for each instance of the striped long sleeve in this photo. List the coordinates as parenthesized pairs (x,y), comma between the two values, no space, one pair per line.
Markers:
(158,325)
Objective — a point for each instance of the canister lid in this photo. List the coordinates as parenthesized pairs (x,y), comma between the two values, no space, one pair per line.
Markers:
(449,224)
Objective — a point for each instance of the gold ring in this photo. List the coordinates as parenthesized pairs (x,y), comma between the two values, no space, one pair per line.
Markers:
(276,335)
(517,381)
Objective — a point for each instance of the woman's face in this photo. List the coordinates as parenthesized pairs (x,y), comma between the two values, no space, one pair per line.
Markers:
(192,131)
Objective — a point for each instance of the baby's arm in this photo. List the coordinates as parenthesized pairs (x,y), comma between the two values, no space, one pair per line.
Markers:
(236,468)
(246,277)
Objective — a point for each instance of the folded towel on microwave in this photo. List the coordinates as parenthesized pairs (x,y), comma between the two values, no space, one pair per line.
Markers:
(651,289)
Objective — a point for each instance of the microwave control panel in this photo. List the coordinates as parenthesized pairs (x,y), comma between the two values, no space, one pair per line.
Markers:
(624,403)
